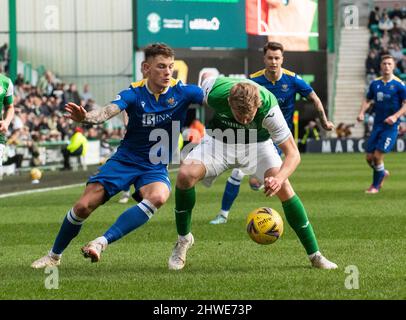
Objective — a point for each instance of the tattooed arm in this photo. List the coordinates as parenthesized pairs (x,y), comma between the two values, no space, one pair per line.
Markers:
(79,114)
(327,125)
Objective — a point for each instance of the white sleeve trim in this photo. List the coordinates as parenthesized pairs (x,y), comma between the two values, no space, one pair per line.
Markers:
(10,90)
(276,124)
(207,85)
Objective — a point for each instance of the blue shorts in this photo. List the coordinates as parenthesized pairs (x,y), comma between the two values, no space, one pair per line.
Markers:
(382,138)
(116,176)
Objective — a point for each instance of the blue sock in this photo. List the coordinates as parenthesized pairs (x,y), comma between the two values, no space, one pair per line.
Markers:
(379,173)
(231,190)
(130,220)
(70,228)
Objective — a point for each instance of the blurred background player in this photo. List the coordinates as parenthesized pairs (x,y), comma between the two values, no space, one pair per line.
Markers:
(243,105)
(388,93)
(284,84)
(6,102)
(153,103)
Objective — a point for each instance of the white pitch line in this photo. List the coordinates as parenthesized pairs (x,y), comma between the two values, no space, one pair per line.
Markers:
(20,193)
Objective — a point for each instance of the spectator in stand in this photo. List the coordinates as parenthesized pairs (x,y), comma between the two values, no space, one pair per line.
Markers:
(372,65)
(86,95)
(396,52)
(374,17)
(397,33)
(91,105)
(396,12)
(385,40)
(45,84)
(385,23)
(375,42)
(4,58)
(402,64)
(72,94)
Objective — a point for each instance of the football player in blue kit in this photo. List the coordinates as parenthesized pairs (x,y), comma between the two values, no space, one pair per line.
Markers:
(155,103)
(284,84)
(388,95)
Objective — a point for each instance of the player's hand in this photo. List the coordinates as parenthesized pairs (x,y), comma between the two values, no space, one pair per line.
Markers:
(75,112)
(360,117)
(272,185)
(3,127)
(391,120)
(328,126)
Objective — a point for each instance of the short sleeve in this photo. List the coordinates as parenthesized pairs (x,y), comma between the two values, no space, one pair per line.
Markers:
(125,98)
(195,94)
(276,124)
(370,92)
(302,87)
(207,85)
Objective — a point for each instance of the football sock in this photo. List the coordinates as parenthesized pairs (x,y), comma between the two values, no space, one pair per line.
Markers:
(185,201)
(70,228)
(231,190)
(297,218)
(130,220)
(379,173)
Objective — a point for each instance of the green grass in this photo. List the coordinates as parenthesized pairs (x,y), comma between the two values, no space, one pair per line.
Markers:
(367,231)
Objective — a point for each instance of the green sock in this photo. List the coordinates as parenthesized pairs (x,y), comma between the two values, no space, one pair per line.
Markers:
(185,201)
(297,218)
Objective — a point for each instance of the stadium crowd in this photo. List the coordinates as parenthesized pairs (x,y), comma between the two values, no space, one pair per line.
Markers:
(39,115)
(388,36)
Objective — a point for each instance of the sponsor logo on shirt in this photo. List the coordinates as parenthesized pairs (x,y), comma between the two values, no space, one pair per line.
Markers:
(152,119)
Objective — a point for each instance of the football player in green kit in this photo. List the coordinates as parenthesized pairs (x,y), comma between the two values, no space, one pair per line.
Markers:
(250,120)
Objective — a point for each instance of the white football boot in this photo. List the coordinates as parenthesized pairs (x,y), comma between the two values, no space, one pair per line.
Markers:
(320,262)
(93,250)
(219,219)
(125,197)
(178,258)
(50,260)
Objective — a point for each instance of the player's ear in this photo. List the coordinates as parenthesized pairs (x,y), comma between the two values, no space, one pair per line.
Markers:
(145,68)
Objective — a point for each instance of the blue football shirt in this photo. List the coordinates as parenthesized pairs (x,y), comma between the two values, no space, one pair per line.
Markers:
(151,115)
(284,90)
(388,98)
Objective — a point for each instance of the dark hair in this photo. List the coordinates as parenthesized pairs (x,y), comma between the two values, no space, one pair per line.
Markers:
(157,49)
(386,57)
(273,46)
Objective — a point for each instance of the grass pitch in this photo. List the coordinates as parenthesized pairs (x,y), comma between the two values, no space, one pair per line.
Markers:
(353,229)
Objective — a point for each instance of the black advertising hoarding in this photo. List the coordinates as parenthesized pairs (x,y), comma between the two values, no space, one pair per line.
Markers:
(347,145)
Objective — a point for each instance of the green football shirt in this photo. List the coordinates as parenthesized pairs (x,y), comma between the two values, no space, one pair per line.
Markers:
(6,98)
(268,120)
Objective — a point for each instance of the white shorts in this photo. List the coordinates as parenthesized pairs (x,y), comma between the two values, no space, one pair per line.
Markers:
(253,159)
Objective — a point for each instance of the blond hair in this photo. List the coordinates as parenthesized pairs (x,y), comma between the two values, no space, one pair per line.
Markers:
(244,97)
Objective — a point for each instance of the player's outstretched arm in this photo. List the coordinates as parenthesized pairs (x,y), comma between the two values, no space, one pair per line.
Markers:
(364,107)
(79,114)
(325,123)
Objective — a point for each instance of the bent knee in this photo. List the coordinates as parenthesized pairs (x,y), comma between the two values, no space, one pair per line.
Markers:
(83,209)
(186,178)
(158,199)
